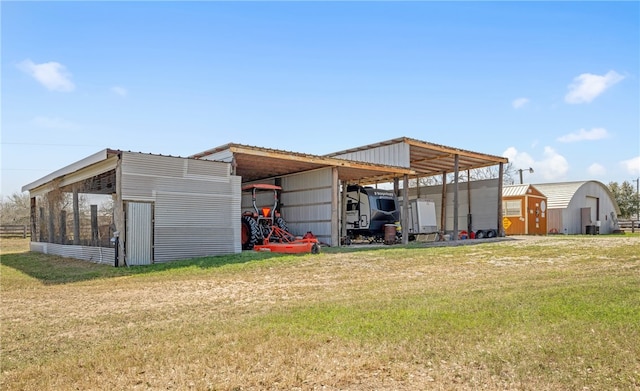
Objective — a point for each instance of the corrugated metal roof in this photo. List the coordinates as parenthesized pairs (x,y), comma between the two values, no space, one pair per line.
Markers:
(257,163)
(514,190)
(429,159)
(559,194)
(82,164)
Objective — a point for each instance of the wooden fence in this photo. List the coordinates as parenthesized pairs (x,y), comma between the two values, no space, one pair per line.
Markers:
(13,230)
(632,225)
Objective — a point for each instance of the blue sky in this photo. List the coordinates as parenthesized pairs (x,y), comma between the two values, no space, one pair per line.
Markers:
(551,85)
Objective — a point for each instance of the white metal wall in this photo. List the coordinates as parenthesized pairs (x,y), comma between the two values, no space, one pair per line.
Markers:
(306,203)
(391,155)
(484,203)
(104,255)
(197,204)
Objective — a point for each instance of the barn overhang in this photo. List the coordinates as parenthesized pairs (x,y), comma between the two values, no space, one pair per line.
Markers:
(257,163)
(95,174)
(423,158)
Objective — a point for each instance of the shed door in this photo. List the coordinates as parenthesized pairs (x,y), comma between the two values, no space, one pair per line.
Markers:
(592,202)
(536,212)
(139,237)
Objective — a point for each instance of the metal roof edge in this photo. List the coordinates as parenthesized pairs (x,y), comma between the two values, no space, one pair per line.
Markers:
(80,164)
(424,144)
(329,160)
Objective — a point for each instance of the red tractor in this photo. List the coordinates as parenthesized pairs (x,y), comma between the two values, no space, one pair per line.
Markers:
(263,229)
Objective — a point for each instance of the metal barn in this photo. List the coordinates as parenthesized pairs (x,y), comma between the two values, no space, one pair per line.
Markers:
(580,207)
(311,195)
(161,208)
(164,208)
(525,210)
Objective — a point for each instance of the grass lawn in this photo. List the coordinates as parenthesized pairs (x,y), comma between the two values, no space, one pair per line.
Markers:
(538,313)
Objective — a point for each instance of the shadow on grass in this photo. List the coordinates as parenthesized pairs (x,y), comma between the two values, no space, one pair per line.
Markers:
(53,269)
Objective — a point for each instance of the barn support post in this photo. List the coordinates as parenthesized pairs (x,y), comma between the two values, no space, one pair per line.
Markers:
(94,226)
(51,230)
(234,165)
(500,180)
(405,209)
(443,207)
(456,177)
(118,215)
(469,216)
(33,219)
(76,216)
(343,211)
(63,227)
(41,224)
(335,224)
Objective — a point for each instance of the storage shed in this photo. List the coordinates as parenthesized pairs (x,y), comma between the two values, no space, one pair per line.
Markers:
(161,208)
(585,207)
(525,210)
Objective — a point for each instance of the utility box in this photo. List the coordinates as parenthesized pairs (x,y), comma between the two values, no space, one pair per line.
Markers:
(422,217)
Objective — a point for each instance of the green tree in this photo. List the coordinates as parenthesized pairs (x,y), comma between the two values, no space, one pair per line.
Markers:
(626,197)
(15,209)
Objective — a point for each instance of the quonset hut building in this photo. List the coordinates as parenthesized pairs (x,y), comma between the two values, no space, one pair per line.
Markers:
(164,208)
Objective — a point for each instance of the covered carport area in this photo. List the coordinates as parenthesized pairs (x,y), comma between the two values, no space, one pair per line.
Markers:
(427,160)
(311,183)
(392,161)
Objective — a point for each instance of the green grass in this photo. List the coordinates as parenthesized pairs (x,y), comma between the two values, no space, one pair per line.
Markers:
(539,314)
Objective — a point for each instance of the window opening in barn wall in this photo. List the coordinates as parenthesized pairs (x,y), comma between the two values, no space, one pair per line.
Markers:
(74,215)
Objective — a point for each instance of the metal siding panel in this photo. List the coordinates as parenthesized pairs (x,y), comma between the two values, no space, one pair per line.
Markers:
(222,156)
(306,200)
(198,224)
(391,155)
(138,188)
(554,221)
(203,168)
(484,203)
(145,164)
(102,255)
(139,223)
(143,173)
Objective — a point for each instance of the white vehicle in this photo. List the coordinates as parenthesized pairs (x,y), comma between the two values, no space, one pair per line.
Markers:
(368,210)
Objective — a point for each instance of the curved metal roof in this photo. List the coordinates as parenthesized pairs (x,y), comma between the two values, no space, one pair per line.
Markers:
(560,194)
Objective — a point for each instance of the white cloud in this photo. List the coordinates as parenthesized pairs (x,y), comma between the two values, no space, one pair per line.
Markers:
(51,75)
(53,123)
(588,86)
(582,134)
(119,90)
(551,167)
(519,103)
(596,170)
(632,165)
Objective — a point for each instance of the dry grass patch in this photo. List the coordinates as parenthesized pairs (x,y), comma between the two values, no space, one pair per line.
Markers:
(533,314)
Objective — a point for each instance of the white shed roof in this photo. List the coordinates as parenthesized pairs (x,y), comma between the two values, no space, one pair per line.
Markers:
(560,194)
(514,190)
